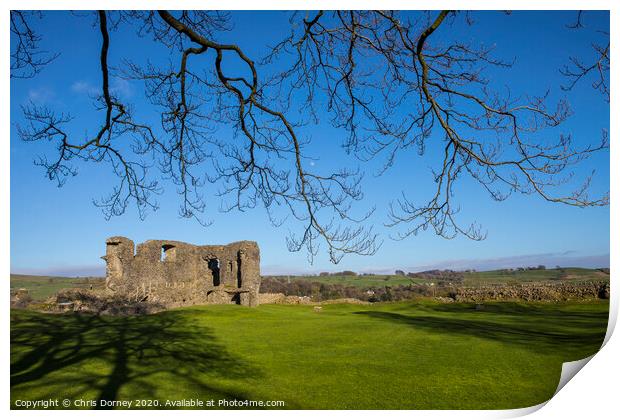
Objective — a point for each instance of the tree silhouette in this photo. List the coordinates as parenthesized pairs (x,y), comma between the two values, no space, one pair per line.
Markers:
(386,80)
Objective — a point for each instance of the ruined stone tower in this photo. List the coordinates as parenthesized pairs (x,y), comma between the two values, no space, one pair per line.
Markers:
(172,272)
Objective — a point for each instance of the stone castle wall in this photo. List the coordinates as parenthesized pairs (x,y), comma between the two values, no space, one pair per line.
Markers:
(181,273)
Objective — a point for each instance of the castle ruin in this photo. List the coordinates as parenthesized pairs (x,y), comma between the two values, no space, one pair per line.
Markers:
(178,273)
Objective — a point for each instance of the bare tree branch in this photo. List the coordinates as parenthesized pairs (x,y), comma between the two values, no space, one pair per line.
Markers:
(45,125)
(598,67)
(27,59)
(394,82)
(389,88)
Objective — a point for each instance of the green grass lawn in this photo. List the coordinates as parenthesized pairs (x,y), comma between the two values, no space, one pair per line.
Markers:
(416,355)
(42,287)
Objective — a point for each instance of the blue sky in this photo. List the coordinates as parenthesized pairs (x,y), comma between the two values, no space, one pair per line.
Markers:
(59,231)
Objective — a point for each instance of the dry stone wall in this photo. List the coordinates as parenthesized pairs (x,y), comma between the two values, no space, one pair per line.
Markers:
(533,292)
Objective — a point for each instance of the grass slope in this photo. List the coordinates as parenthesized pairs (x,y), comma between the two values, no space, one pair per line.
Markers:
(422,355)
(41,287)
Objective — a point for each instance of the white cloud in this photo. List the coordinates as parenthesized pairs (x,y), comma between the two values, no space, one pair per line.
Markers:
(41,95)
(118,87)
(551,259)
(563,259)
(121,88)
(83,87)
(69,270)
(279,269)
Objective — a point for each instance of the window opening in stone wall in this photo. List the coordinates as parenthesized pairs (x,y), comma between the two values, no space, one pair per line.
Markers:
(168,253)
(214,266)
(239,270)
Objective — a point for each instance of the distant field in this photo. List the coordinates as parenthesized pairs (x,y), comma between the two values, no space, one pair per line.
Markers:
(471,278)
(573,275)
(373,280)
(415,355)
(41,287)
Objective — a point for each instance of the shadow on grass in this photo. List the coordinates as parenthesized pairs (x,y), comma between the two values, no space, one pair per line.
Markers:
(80,354)
(549,313)
(559,333)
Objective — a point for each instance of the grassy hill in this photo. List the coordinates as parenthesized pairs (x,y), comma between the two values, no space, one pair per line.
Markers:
(372,280)
(41,287)
(470,278)
(422,355)
(569,274)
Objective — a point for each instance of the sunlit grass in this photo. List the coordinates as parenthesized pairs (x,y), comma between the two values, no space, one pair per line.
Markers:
(419,355)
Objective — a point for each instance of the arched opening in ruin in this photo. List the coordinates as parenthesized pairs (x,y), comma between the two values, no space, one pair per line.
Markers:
(236,298)
(168,253)
(214,266)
